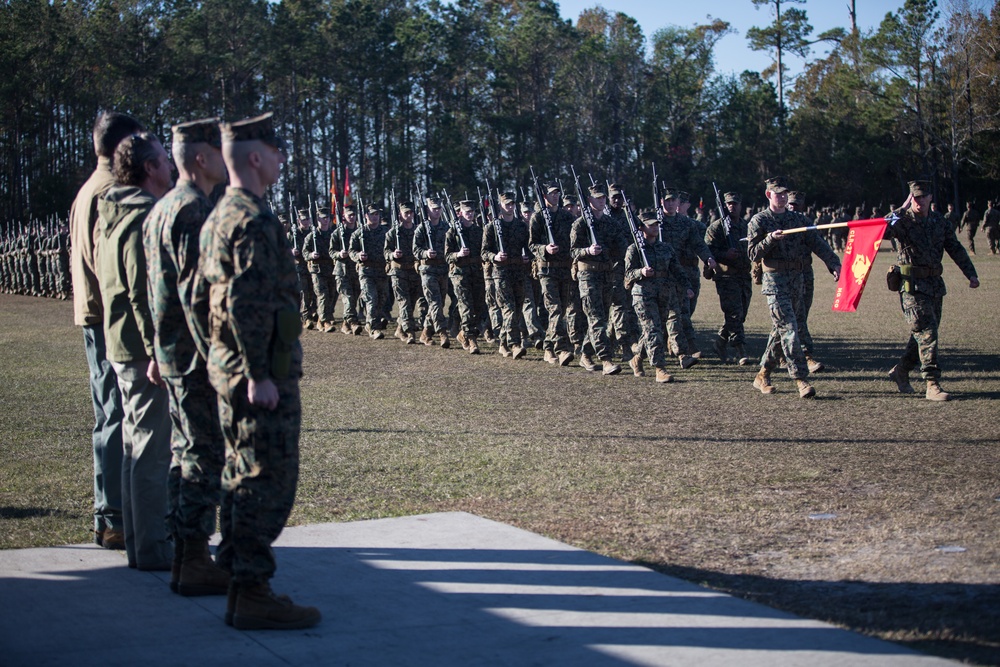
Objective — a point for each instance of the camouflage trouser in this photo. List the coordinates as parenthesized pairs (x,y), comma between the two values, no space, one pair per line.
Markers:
(435,286)
(349,288)
(680,330)
(623,317)
(325,288)
(596,289)
(808,287)
(923,314)
(529,308)
(993,236)
(375,295)
(970,234)
(307,300)
(567,326)
(510,298)
(261,473)
(784,340)
(198,455)
(408,293)
(649,310)
(470,295)
(493,304)
(694,277)
(734,300)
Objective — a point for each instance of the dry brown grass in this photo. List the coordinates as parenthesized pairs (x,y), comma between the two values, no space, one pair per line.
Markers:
(705,479)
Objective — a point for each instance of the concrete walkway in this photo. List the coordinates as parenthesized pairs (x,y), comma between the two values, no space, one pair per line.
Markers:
(443,590)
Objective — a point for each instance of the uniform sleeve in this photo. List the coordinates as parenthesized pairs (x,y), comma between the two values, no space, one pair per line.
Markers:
(823,250)
(134,263)
(250,296)
(633,265)
(579,241)
(759,243)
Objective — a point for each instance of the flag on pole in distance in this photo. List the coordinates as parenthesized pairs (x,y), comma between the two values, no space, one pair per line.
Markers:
(333,196)
(863,241)
(348,197)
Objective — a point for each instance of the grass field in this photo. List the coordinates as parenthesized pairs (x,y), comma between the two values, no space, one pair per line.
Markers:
(705,479)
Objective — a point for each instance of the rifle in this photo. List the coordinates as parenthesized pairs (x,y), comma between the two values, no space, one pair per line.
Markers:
(727,223)
(496,218)
(656,202)
(546,213)
(315,224)
(454,222)
(634,228)
(588,215)
(392,216)
(482,211)
(425,220)
(364,223)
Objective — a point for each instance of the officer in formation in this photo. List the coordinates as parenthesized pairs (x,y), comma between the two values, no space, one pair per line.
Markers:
(316,247)
(726,240)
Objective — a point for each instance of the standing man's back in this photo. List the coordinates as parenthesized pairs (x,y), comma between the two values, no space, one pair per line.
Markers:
(88,312)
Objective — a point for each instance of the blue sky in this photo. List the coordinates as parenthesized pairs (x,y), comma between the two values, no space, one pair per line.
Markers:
(733,54)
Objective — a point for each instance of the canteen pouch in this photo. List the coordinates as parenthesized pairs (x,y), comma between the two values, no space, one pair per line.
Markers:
(893,278)
(287,328)
(906,278)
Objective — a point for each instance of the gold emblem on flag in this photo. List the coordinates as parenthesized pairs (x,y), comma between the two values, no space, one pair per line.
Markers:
(862,265)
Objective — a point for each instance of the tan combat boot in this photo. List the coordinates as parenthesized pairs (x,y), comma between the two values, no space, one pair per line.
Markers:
(636,363)
(425,337)
(258,608)
(473,346)
(445,343)
(687,361)
(504,351)
(199,574)
(565,357)
(763,382)
(399,333)
(550,357)
(902,380)
(806,390)
(813,365)
(609,367)
(377,334)
(935,392)
(518,352)
(357,328)
(462,340)
(411,339)
(587,363)
(662,376)
(345,329)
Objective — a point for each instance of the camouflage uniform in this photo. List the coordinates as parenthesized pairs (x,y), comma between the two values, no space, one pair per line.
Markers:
(322,283)
(508,276)
(466,275)
(253,295)
(405,279)
(732,277)
(623,315)
(688,241)
(595,277)
(991,225)
(654,297)
(307,300)
(970,222)
(375,292)
(346,273)
(920,246)
(433,273)
(784,261)
(560,293)
(171,237)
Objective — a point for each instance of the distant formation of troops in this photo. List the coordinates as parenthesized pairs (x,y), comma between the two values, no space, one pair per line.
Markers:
(34,260)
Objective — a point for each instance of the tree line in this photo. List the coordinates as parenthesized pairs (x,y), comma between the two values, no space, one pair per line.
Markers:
(406,92)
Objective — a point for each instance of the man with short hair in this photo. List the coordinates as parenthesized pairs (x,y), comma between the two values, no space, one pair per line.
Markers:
(920,239)
(463,250)
(366,247)
(346,272)
(596,248)
(991,225)
(254,363)
(171,235)
(726,239)
(970,222)
(795,203)
(784,258)
(428,248)
(505,240)
(324,287)
(142,176)
(88,312)
(297,238)
(403,274)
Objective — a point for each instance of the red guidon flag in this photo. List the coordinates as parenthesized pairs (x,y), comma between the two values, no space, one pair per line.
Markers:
(333,196)
(348,197)
(863,240)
